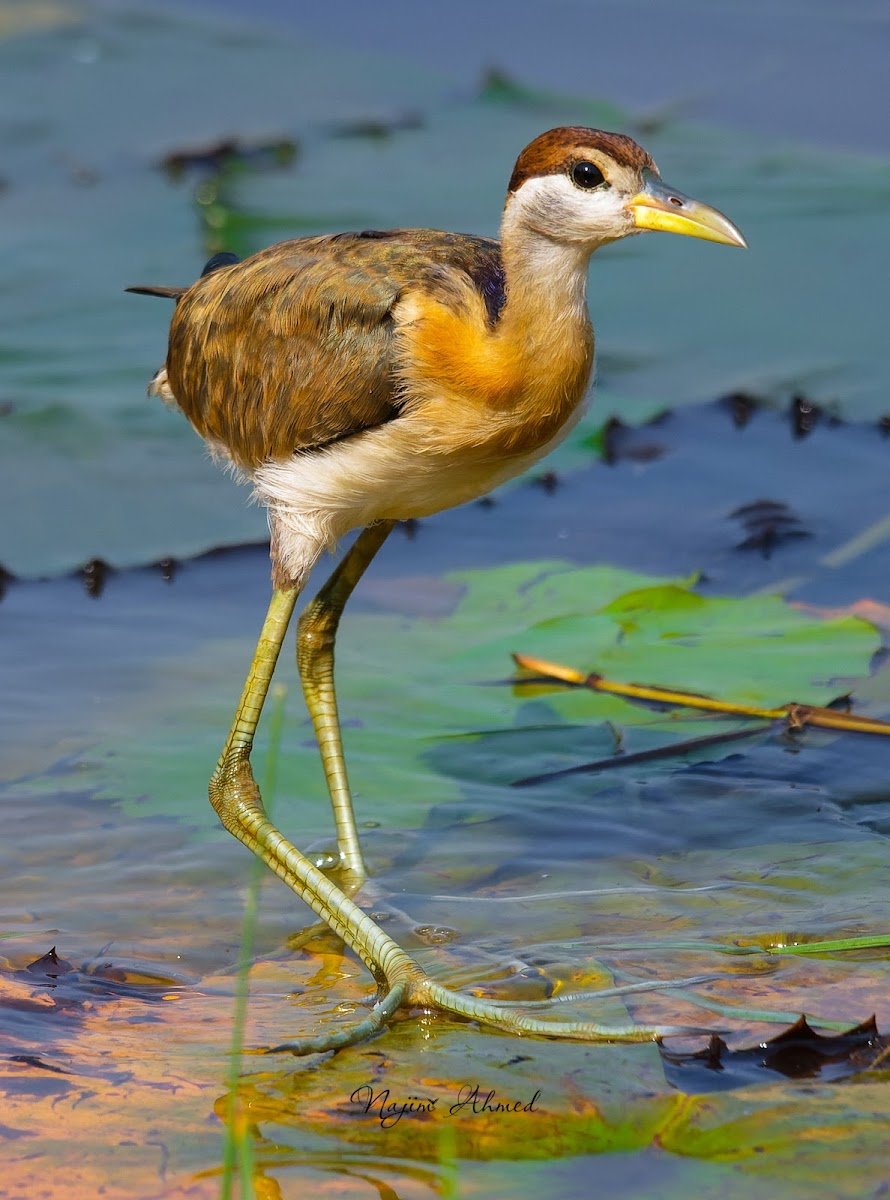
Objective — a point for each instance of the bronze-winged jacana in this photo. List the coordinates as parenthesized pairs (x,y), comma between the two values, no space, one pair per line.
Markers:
(360,379)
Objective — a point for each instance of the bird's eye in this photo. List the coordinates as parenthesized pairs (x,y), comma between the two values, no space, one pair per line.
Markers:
(587,175)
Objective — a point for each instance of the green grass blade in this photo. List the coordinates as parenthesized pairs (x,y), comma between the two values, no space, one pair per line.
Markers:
(237,1146)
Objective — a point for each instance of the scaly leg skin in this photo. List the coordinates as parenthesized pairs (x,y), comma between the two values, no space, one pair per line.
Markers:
(316,633)
(236,798)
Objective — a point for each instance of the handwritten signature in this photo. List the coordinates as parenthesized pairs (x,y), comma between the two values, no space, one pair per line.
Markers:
(470,1098)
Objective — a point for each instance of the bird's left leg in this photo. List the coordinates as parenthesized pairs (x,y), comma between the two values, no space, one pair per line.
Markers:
(316,632)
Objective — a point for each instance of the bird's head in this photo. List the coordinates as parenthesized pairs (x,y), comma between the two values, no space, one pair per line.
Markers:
(583,187)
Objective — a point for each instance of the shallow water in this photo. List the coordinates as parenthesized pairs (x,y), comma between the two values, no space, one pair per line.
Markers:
(116,703)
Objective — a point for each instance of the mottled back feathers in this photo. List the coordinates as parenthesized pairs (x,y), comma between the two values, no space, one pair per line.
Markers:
(293,348)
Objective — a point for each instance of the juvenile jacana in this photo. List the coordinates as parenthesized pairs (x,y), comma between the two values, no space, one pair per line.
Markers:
(360,379)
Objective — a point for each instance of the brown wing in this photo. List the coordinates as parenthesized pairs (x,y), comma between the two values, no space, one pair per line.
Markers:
(294,348)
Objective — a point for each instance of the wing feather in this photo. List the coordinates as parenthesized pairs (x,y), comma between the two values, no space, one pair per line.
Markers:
(295,348)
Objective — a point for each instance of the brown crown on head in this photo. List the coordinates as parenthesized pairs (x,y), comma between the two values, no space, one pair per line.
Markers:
(555,151)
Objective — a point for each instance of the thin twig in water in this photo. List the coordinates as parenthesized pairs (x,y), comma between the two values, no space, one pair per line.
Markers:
(795,716)
(674,750)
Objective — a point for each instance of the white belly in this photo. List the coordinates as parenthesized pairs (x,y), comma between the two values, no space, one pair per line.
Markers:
(385,474)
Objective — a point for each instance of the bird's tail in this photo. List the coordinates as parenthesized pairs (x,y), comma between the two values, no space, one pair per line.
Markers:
(169,293)
(159,385)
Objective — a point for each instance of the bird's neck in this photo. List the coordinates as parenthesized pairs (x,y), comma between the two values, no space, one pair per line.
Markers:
(544,335)
(520,382)
(546,282)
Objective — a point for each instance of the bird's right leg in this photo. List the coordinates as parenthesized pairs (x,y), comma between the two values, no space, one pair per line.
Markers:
(236,798)
(233,789)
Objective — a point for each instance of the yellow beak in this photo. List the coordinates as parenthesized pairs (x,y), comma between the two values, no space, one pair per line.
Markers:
(659,207)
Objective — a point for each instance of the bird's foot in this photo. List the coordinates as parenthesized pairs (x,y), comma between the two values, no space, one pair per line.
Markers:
(402,982)
(409,988)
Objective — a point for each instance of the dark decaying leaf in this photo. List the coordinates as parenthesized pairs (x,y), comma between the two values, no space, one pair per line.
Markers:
(796,1053)
(48,966)
(768,525)
(73,984)
(228,152)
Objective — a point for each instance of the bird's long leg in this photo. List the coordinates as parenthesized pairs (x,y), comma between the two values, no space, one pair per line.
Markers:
(316,633)
(236,799)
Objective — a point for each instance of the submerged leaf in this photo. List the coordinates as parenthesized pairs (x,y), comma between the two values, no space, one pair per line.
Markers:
(799,1052)
(48,966)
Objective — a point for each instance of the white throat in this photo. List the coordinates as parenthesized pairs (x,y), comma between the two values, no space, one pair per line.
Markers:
(554,271)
